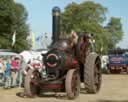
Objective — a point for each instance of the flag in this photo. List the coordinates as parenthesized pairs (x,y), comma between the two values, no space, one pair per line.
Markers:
(13,38)
(38,38)
(33,39)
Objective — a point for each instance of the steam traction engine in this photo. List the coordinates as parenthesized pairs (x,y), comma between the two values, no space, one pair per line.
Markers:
(67,63)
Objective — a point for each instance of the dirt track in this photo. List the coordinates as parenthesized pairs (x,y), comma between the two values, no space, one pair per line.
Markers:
(114,89)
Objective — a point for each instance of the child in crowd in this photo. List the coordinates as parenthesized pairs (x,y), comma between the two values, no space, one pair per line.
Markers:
(8,74)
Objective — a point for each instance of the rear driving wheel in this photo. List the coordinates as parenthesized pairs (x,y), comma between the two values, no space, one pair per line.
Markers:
(97,74)
(92,73)
(72,83)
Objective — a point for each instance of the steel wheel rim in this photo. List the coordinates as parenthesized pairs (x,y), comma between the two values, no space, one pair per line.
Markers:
(97,74)
(75,84)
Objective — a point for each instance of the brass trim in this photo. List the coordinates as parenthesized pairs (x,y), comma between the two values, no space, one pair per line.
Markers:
(56,14)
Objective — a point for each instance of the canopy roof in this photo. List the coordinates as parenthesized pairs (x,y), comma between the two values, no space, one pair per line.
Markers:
(7,53)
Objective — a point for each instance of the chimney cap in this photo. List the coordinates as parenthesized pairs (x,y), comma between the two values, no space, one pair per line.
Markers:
(56,9)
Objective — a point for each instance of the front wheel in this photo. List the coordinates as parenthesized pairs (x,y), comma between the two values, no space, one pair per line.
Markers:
(29,88)
(72,83)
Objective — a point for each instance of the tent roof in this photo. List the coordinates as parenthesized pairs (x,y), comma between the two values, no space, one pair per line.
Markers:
(2,53)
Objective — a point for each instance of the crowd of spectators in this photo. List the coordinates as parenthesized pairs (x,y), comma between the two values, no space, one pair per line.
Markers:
(11,71)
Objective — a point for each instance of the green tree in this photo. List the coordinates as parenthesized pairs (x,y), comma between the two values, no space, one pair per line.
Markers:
(13,17)
(114,29)
(89,17)
(21,28)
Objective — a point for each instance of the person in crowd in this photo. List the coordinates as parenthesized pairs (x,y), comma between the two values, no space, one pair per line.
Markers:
(7,74)
(2,70)
(14,71)
(73,38)
(22,65)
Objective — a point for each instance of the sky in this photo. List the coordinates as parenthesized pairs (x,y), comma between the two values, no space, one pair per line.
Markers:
(40,18)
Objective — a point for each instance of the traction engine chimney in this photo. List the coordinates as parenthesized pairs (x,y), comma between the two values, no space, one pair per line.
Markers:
(55,24)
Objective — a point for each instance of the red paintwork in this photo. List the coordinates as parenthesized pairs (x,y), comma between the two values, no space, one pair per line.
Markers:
(52,86)
(75,62)
(51,65)
(71,62)
(36,65)
(83,48)
(34,83)
(54,55)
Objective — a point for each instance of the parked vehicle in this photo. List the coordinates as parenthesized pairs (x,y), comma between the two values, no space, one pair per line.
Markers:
(104,64)
(67,63)
(118,61)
